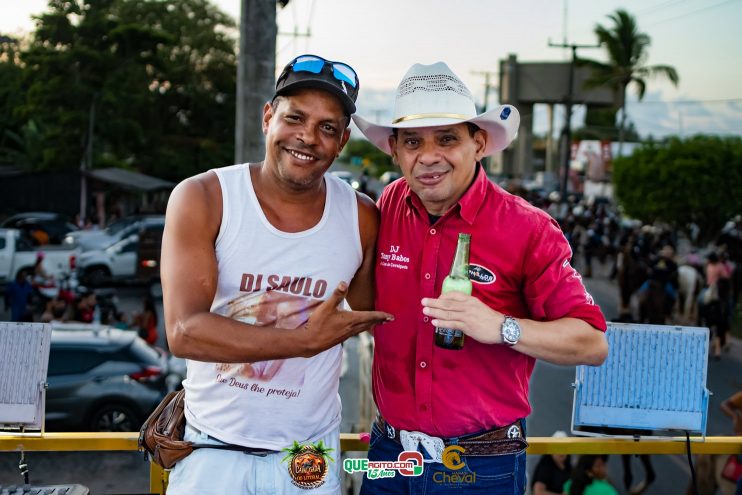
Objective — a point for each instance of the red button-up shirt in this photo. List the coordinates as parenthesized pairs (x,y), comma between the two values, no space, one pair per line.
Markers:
(519,265)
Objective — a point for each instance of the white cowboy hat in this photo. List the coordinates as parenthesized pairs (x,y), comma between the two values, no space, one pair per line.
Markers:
(432,95)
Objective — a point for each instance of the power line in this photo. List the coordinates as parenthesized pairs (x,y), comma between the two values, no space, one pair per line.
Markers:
(686,102)
(692,12)
(653,8)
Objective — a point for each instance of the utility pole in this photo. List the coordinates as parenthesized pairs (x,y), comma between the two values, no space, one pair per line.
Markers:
(256,74)
(487,75)
(295,34)
(87,162)
(486,163)
(567,131)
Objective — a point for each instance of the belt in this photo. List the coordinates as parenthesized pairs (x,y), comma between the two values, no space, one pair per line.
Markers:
(498,441)
(229,446)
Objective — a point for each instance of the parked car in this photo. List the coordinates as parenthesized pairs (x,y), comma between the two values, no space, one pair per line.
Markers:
(135,258)
(116,262)
(101,379)
(388,177)
(348,177)
(17,253)
(55,225)
(88,240)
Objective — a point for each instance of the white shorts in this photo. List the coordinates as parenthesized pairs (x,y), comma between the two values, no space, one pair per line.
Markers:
(220,472)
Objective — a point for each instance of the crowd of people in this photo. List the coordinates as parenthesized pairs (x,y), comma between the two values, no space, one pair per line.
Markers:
(34,297)
(664,275)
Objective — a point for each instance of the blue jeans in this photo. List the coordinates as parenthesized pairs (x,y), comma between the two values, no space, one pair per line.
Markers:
(493,475)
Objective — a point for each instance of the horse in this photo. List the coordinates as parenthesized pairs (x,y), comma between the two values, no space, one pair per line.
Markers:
(631,274)
(646,461)
(649,474)
(653,304)
(713,312)
(689,286)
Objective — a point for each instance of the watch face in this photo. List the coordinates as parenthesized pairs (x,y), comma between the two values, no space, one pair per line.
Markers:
(510,331)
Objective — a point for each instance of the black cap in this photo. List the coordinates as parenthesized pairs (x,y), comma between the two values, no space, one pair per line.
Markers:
(289,81)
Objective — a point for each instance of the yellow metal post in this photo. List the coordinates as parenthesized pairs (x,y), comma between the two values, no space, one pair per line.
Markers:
(352,442)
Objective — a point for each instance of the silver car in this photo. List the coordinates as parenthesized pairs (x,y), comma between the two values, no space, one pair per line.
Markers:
(102,379)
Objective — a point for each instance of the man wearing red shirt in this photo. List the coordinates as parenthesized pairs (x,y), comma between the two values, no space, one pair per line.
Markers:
(527,302)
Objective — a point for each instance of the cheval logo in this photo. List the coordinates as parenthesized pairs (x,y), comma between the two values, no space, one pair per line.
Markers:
(481,275)
(451,457)
(393,259)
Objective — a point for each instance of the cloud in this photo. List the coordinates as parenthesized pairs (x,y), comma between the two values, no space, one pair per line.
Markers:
(655,115)
(659,117)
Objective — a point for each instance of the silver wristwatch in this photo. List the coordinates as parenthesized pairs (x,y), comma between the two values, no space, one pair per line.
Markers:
(510,331)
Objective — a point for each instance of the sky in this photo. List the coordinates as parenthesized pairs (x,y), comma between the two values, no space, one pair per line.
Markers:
(381,39)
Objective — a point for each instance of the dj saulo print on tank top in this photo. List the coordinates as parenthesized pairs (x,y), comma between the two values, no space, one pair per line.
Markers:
(281,301)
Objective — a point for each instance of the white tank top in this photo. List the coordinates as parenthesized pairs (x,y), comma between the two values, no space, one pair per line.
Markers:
(274,278)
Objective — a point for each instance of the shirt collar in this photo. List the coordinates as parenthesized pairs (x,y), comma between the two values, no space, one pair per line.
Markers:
(467,206)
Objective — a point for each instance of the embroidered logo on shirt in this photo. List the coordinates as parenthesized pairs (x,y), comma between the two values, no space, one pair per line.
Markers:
(393,259)
(481,275)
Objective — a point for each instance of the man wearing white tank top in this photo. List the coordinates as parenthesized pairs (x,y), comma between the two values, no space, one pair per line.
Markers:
(256,262)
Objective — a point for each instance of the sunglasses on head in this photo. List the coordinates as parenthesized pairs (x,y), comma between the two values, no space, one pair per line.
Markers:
(315,64)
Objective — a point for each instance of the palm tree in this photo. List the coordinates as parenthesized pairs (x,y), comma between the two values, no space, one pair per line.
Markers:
(627,54)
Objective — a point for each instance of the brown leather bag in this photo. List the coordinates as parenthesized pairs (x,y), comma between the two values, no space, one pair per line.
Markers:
(161,436)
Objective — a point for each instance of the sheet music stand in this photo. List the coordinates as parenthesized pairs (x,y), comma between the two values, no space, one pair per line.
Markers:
(24,360)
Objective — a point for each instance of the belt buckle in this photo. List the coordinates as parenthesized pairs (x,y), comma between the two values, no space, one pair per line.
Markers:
(410,440)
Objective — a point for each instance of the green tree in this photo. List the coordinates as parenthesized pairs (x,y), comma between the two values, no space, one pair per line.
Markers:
(362,152)
(681,181)
(160,76)
(627,49)
(12,143)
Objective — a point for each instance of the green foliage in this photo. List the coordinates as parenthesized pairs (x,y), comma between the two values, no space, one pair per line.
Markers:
(157,76)
(628,50)
(681,181)
(600,123)
(362,152)
(11,99)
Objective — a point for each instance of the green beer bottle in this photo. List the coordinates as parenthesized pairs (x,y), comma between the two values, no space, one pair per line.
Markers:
(458,281)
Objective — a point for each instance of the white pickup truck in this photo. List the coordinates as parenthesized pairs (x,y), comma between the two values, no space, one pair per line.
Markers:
(17,253)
